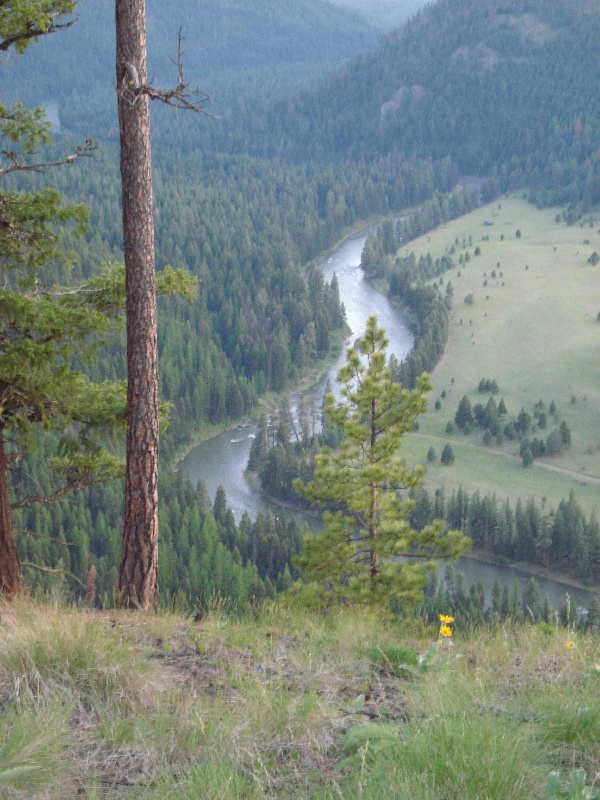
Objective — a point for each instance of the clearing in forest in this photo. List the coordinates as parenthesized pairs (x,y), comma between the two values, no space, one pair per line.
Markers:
(532,327)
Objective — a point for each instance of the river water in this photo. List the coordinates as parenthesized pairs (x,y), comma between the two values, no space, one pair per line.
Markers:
(222,460)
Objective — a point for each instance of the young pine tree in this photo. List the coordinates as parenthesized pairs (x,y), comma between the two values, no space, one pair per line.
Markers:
(368,552)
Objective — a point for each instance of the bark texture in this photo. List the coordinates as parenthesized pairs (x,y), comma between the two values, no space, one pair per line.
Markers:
(138,586)
(11,580)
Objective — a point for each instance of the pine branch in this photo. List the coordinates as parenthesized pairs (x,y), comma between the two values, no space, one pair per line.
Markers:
(70,488)
(55,571)
(33,32)
(17,165)
(24,532)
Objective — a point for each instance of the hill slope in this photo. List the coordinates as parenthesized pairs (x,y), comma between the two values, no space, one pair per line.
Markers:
(218,37)
(502,87)
(383,14)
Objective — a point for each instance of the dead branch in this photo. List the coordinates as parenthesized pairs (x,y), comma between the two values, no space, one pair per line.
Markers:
(181,96)
(55,571)
(17,165)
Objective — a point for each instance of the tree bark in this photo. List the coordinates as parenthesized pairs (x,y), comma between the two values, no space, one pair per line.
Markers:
(138,586)
(11,578)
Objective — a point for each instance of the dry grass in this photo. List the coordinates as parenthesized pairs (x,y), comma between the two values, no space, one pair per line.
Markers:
(122,706)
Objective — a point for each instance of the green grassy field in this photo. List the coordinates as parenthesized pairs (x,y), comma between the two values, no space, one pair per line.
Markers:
(533,328)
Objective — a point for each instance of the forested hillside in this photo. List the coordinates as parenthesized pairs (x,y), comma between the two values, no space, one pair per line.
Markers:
(505,88)
(231,35)
(247,226)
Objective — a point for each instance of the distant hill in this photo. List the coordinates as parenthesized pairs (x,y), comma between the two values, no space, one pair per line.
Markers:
(228,35)
(484,83)
(383,14)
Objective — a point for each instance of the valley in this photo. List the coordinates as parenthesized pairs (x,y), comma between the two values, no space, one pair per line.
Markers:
(429,167)
(322,121)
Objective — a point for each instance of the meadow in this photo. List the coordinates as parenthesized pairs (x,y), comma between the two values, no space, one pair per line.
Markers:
(284,703)
(533,328)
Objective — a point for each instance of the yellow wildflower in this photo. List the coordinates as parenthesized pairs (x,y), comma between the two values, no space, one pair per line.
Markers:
(446,630)
(570,644)
(446,619)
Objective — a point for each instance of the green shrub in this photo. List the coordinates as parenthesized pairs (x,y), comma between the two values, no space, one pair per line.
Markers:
(575,789)
(395,657)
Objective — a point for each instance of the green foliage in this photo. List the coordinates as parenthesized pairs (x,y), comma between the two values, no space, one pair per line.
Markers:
(365,744)
(28,236)
(526,456)
(45,327)
(488,418)
(357,556)
(447,457)
(562,539)
(22,21)
(487,386)
(397,658)
(574,789)
(464,413)
(429,313)
(464,81)
(50,333)
(245,224)
(42,330)
(256,325)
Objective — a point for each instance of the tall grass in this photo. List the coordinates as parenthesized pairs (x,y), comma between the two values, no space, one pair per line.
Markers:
(123,706)
(46,651)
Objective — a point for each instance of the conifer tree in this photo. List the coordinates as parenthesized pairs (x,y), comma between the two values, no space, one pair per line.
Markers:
(138,578)
(368,552)
(39,391)
(44,326)
(41,326)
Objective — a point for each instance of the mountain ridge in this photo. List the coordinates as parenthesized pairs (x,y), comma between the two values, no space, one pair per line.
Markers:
(217,37)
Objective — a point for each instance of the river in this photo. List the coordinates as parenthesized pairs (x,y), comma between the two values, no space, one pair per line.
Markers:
(222,460)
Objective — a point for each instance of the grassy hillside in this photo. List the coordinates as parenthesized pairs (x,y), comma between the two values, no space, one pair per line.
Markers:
(113,705)
(533,328)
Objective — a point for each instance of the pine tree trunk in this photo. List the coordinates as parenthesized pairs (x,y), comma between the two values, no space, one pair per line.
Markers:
(373,555)
(138,576)
(11,579)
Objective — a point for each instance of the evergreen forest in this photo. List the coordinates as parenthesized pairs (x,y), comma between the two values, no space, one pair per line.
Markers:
(317,125)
